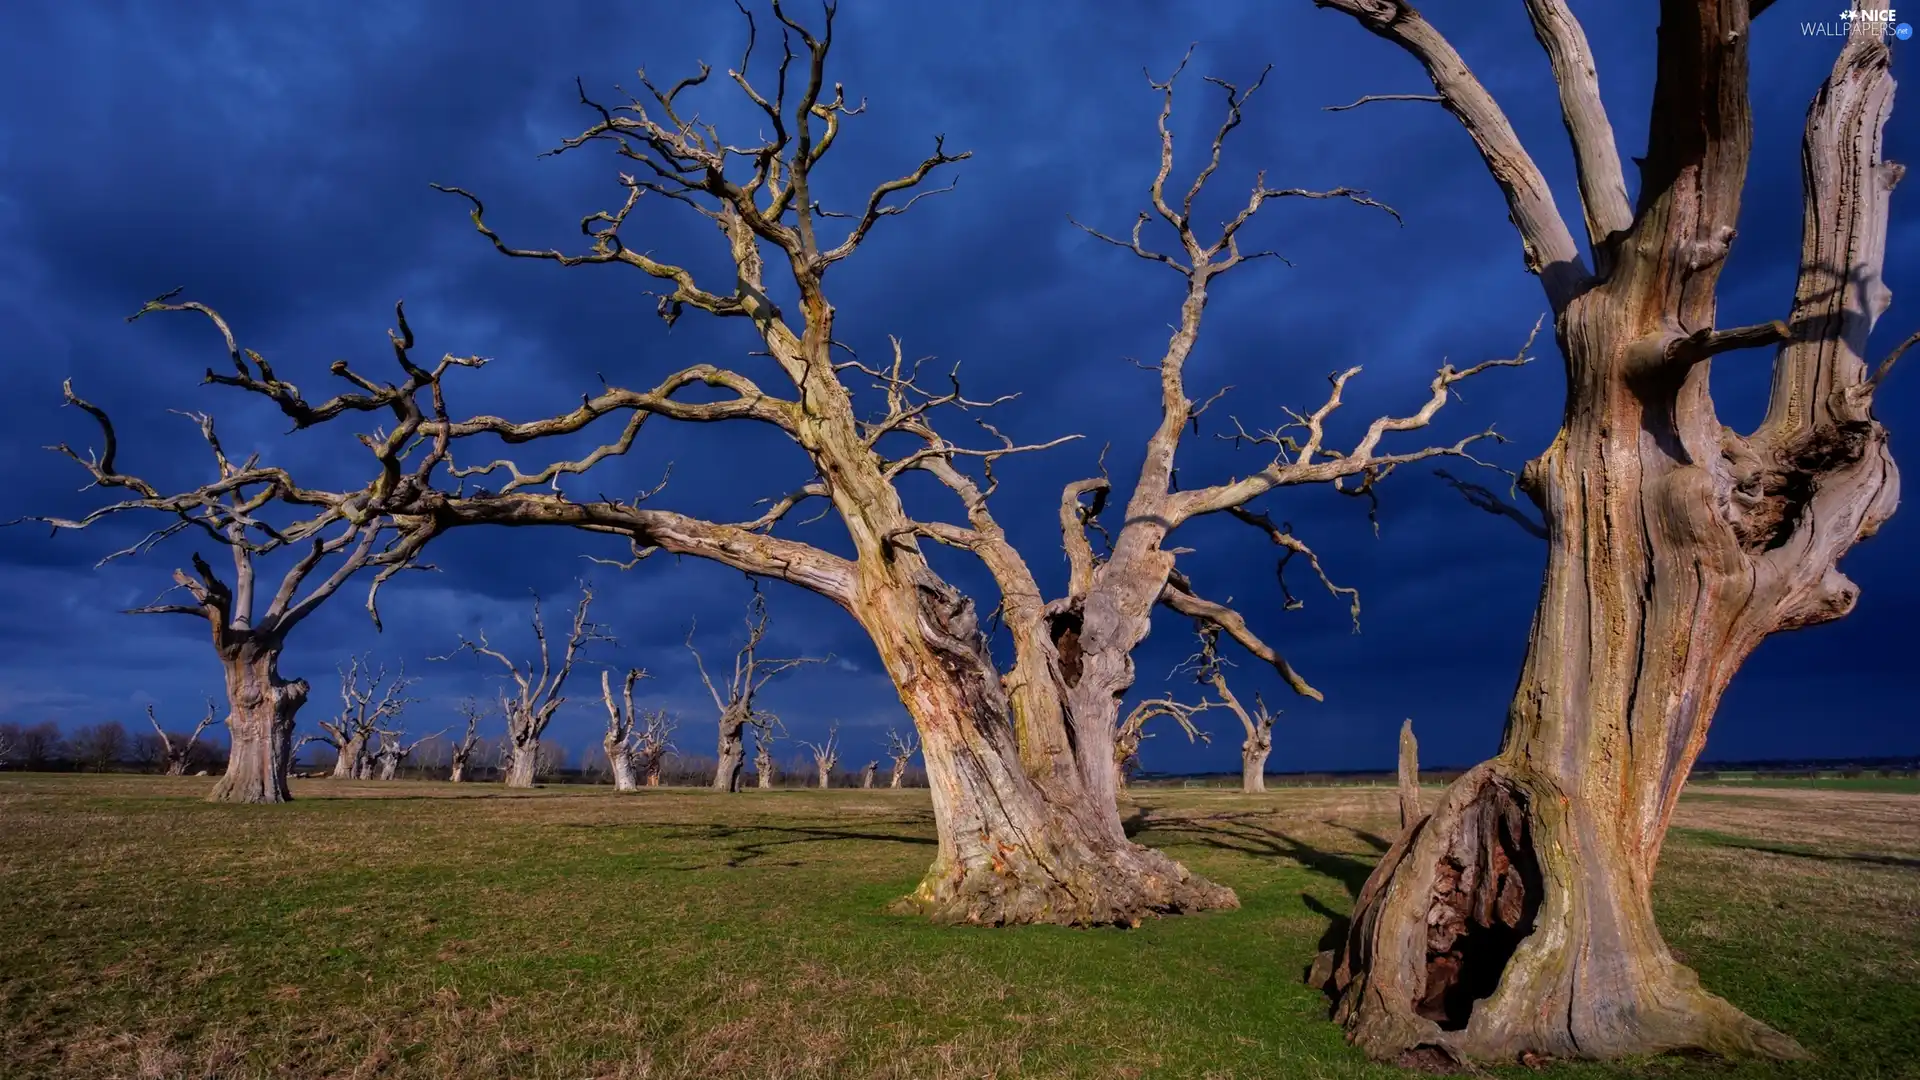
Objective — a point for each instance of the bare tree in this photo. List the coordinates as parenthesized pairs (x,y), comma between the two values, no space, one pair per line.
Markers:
(1517,916)
(826,755)
(735,701)
(901,749)
(623,739)
(766,731)
(1133,731)
(246,509)
(178,751)
(652,744)
(1024,809)
(368,699)
(1209,667)
(462,751)
(6,747)
(393,750)
(1409,776)
(536,693)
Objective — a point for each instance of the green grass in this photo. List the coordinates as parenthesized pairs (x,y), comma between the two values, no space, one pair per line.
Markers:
(573,934)
(1899,785)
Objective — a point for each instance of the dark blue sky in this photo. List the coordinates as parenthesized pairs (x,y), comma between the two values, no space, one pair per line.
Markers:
(275,159)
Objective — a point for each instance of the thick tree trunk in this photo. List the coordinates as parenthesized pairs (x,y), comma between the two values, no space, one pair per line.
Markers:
(825,778)
(898,777)
(1012,851)
(389,767)
(1517,917)
(733,754)
(351,760)
(653,774)
(259,725)
(523,761)
(762,767)
(1253,762)
(177,768)
(458,773)
(625,777)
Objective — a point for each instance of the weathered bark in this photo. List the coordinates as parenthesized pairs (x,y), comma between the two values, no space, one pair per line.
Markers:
(762,764)
(463,750)
(625,776)
(733,753)
(866,774)
(1253,761)
(523,759)
(260,721)
(1517,918)
(350,758)
(1409,776)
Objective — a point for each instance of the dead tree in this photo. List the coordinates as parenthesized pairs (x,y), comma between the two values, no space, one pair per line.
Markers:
(901,749)
(867,773)
(1409,776)
(632,749)
(652,745)
(1209,668)
(766,730)
(1516,917)
(462,751)
(392,751)
(735,701)
(368,699)
(826,755)
(6,747)
(254,510)
(1133,731)
(1024,809)
(179,751)
(536,692)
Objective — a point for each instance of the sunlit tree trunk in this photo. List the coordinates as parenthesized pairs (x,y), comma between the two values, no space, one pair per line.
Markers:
(259,724)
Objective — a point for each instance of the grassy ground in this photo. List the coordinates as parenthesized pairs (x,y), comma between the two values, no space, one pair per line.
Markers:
(422,930)
(1903,785)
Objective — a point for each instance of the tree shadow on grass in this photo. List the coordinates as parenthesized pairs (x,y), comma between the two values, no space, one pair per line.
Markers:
(1739,843)
(1237,833)
(758,852)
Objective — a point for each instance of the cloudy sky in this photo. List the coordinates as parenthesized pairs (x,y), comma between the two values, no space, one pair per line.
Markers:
(275,160)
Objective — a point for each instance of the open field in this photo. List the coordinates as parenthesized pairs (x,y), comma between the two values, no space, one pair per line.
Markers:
(425,930)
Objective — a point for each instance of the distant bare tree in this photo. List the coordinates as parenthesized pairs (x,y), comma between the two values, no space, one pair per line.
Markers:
(1209,668)
(766,731)
(735,700)
(36,745)
(621,739)
(368,699)
(826,755)
(99,745)
(867,773)
(178,751)
(1133,730)
(464,749)
(901,749)
(537,693)
(393,750)
(6,746)
(548,759)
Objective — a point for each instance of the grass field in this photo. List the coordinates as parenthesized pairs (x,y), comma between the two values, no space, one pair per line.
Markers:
(427,930)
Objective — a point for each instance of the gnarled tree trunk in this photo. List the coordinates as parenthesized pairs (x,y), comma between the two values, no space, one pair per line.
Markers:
(523,758)
(1254,752)
(625,776)
(763,765)
(733,753)
(260,723)
(351,761)
(1517,917)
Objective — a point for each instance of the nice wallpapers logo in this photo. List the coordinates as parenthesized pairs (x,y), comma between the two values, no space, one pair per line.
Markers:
(1880,22)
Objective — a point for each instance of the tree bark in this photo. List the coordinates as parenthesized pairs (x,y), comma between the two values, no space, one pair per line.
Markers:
(763,767)
(625,777)
(350,760)
(1011,850)
(1517,917)
(259,724)
(1253,762)
(733,753)
(523,760)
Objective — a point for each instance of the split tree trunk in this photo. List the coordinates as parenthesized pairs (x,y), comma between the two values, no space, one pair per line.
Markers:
(763,767)
(259,725)
(1015,846)
(458,773)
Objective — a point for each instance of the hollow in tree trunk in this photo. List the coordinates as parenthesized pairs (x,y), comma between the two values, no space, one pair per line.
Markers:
(260,723)
(1517,917)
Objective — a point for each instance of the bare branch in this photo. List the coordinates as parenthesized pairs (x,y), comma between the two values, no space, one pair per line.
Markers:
(1369,98)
